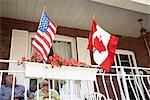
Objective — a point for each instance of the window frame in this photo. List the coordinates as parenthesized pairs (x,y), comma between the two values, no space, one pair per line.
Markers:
(126,52)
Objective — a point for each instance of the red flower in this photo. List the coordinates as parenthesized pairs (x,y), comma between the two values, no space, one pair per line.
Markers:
(54,63)
(55,60)
(32,59)
(39,59)
(57,57)
(23,59)
(65,62)
(73,62)
(78,63)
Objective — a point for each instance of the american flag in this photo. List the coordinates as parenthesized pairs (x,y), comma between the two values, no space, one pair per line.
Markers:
(45,35)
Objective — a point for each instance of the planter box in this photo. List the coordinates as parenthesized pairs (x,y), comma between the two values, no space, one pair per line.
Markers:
(39,70)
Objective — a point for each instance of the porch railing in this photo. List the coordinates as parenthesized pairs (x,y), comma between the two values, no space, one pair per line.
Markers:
(125,83)
(121,83)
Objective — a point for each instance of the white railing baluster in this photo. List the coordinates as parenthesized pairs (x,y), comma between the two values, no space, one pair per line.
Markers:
(26,88)
(81,91)
(38,85)
(97,87)
(148,79)
(143,98)
(114,91)
(1,74)
(125,84)
(13,87)
(138,72)
(105,87)
(119,83)
(136,88)
(87,85)
(135,95)
(145,87)
(59,87)
(53,84)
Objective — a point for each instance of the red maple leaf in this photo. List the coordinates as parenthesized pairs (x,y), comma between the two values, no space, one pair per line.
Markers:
(98,44)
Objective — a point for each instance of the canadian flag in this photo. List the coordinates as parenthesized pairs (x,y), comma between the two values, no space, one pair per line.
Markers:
(103,46)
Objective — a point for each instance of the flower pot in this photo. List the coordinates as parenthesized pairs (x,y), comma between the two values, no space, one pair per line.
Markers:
(40,70)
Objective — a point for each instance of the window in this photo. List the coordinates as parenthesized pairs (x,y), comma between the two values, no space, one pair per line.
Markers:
(125,58)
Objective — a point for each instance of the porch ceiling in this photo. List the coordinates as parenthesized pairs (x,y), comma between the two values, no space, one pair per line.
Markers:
(116,16)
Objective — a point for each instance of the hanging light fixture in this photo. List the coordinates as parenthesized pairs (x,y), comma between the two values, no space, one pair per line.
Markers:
(144,32)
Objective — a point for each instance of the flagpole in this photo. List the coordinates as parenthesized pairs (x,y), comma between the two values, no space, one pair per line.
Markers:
(33,50)
(44,8)
(88,39)
(93,16)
